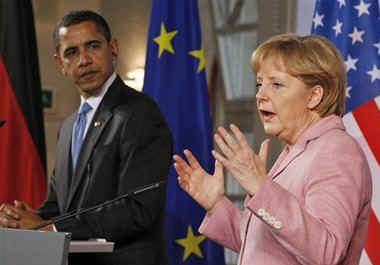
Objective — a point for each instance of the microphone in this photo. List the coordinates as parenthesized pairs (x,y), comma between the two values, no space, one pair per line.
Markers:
(69,215)
(2,122)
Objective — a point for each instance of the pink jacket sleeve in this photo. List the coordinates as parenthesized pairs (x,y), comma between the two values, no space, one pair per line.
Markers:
(223,224)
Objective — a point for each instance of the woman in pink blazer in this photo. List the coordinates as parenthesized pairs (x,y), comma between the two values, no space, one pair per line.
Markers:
(313,206)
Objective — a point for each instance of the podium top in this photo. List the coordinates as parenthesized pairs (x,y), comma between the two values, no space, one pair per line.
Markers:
(91,246)
(20,247)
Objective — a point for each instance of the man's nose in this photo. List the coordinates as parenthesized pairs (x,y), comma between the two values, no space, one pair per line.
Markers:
(84,58)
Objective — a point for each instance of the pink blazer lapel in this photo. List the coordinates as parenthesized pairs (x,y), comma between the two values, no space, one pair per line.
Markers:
(285,158)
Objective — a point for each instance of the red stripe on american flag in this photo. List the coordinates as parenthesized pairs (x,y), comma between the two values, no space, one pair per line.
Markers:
(372,243)
(367,117)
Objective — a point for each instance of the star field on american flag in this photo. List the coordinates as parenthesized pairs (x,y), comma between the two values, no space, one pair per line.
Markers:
(354,27)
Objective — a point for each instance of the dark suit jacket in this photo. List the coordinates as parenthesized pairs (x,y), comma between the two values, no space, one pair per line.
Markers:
(128,145)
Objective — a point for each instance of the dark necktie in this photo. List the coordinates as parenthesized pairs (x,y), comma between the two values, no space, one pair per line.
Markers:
(77,138)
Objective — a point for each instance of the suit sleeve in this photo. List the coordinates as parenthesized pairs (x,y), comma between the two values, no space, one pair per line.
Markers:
(137,154)
(49,207)
(223,225)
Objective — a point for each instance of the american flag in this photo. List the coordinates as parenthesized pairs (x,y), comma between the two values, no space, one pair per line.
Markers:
(354,27)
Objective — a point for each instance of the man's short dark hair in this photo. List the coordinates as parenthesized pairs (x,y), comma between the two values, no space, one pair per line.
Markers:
(77,17)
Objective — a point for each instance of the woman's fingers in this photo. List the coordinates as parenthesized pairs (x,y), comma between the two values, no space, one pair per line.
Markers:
(224,161)
(188,171)
(223,146)
(181,165)
(240,137)
(194,164)
(183,170)
(231,165)
(218,168)
(204,188)
(263,153)
(229,140)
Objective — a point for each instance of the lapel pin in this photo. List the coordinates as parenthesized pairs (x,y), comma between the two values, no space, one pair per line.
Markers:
(97,123)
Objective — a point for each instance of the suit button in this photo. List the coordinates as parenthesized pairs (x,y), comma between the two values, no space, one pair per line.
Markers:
(266,217)
(261,212)
(271,220)
(277,225)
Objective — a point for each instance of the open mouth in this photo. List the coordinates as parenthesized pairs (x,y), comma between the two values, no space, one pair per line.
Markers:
(267,115)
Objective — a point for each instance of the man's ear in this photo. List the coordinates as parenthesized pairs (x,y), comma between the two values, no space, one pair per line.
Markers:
(58,61)
(114,47)
(315,96)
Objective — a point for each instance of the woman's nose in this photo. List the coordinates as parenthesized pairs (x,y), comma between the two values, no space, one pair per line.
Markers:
(261,93)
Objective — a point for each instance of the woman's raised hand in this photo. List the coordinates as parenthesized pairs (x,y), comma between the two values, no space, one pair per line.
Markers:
(206,189)
(247,167)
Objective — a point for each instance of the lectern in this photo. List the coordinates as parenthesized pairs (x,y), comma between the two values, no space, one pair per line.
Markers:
(28,247)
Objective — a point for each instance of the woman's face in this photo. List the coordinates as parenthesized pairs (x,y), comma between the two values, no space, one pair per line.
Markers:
(283,102)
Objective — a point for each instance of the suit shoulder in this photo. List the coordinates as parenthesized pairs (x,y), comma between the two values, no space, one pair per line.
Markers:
(339,139)
(132,103)
(338,147)
(136,98)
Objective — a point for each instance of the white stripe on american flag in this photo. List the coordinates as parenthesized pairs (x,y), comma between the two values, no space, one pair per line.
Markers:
(364,260)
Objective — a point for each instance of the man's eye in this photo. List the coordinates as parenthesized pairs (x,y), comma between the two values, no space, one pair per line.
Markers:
(258,85)
(94,45)
(69,53)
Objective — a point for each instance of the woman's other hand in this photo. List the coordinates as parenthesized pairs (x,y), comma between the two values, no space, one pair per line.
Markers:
(247,167)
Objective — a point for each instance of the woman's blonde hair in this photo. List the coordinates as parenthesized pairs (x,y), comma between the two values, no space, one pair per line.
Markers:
(312,59)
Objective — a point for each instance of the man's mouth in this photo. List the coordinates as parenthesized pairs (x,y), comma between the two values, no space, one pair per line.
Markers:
(87,75)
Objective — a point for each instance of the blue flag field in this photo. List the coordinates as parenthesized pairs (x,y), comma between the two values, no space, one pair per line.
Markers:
(175,78)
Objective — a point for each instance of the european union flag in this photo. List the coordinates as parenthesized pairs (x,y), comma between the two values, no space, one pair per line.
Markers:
(175,78)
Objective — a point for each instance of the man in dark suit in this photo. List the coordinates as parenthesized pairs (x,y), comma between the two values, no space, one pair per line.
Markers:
(116,142)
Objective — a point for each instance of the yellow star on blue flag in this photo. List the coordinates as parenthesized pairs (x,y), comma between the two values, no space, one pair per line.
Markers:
(164,40)
(191,243)
(199,54)
(175,78)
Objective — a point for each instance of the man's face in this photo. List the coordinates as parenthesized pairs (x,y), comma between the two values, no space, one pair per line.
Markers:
(86,57)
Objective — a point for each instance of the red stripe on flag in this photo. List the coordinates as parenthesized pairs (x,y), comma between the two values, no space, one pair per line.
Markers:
(22,174)
(372,243)
(367,117)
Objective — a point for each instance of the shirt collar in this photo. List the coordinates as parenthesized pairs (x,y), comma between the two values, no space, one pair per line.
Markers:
(95,100)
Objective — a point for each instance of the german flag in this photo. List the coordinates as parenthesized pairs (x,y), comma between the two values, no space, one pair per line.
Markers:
(22,138)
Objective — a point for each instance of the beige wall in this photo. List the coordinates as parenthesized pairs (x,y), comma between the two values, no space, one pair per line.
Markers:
(129,21)
(129,25)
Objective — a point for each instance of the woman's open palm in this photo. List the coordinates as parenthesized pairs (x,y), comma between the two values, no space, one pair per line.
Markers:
(206,189)
(247,167)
